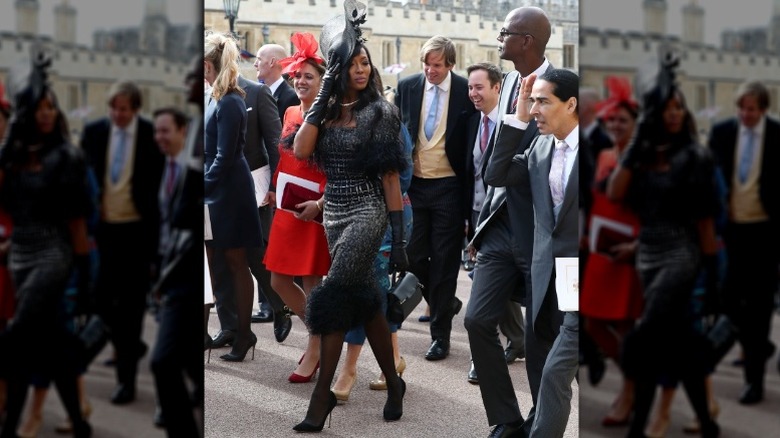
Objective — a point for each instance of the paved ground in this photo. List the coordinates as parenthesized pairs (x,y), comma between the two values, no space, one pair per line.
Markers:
(254,398)
(107,420)
(736,421)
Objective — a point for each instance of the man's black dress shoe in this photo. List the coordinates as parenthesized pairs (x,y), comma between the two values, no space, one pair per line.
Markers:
(751,394)
(123,394)
(263,315)
(472,377)
(512,355)
(457,304)
(159,420)
(439,350)
(505,431)
(223,339)
(282,326)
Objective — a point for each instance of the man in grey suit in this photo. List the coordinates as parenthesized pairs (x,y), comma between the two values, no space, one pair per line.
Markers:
(550,168)
(484,91)
(523,39)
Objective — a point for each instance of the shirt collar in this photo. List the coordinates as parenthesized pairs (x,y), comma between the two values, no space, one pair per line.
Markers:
(493,115)
(757,130)
(276,84)
(129,129)
(573,139)
(541,69)
(445,84)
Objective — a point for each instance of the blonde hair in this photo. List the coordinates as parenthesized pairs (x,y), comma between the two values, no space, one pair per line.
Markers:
(221,50)
(439,44)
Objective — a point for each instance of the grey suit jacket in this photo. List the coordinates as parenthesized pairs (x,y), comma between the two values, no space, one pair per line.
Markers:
(551,238)
(521,216)
(263,126)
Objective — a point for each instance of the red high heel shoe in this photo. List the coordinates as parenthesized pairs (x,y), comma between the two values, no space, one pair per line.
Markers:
(297,378)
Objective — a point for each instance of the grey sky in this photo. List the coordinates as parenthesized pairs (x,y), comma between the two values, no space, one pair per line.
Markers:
(718,15)
(93,15)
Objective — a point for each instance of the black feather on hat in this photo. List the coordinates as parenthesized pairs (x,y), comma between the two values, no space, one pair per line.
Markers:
(342,33)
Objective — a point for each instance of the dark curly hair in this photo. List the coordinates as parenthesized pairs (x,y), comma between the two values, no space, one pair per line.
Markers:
(371,93)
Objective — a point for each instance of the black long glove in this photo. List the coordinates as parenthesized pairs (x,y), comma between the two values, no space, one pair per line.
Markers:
(84,298)
(316,113)
(398,259)
(712,289)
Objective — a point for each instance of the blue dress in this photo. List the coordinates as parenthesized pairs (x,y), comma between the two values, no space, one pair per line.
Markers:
(228,187)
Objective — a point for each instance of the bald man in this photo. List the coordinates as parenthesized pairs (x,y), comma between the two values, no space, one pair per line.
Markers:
(269,72)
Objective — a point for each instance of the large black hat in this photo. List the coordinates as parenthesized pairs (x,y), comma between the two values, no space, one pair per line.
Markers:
(342,33)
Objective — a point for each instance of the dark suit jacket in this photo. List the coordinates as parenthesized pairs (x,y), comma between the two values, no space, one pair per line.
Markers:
(409,100)
(532,168)
(263,127)
(598,140)
(285,97)
(723,142)
(472,130)
(146,173)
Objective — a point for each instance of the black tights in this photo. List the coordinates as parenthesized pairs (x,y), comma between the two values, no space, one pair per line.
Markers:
(645,359)
(378,336)
(237,263)
(64,375)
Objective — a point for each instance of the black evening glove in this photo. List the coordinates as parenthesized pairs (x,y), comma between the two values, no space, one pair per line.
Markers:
(398,259)
(316,113)
(84,304)
(712,288)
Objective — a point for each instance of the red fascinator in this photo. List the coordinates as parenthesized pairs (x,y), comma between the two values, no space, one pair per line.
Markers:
(4,104)
(307,49)
(620,95)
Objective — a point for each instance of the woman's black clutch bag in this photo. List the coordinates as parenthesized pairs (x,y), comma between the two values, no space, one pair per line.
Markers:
(405,295)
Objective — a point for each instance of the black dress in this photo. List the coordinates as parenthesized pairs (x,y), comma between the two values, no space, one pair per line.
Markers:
(355,215)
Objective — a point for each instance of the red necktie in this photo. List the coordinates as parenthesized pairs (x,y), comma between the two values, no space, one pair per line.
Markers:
(483,141)
(170,181)
(517,96)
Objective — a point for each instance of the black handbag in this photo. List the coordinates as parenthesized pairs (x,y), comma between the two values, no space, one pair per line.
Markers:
(722,335)
(404,296)
(93,335)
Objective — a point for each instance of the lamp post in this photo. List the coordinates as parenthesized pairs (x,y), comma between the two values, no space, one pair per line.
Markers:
(398,57)
(266,33)
(231,12)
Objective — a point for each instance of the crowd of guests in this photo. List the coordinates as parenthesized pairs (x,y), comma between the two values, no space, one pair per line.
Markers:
(91,235)
(490,157)
(669,279)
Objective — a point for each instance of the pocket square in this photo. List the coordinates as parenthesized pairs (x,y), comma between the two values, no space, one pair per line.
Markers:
(249,109)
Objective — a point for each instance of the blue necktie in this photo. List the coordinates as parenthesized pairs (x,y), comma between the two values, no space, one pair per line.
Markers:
(746,159)
(430,121)
(119,156)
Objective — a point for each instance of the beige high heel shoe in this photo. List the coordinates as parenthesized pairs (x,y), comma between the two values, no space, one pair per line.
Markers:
(344,395)
(67,427)
(694,427)
(31,427)
(380,384)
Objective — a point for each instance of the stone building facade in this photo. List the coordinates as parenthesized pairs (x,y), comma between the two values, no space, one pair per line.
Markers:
(81,75)
(708,75)
(396,31)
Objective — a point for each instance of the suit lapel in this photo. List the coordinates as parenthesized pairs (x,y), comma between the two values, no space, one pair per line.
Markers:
(572,189)
(415,105)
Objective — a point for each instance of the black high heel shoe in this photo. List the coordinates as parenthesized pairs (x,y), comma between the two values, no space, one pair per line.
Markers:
(305,426)
(393,413)
(207,344)
(237,354)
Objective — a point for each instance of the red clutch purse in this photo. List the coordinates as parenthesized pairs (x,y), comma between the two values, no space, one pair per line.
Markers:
(295,194)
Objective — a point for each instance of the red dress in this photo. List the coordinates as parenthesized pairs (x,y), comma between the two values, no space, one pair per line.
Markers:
(296,247)
(7,294)
(610,290)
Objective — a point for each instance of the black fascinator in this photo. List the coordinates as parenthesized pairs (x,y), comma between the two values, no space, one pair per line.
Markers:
(664,87)
(342,33)
(37,85)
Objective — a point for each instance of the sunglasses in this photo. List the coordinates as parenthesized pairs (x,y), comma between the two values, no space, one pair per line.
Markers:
(503,33)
